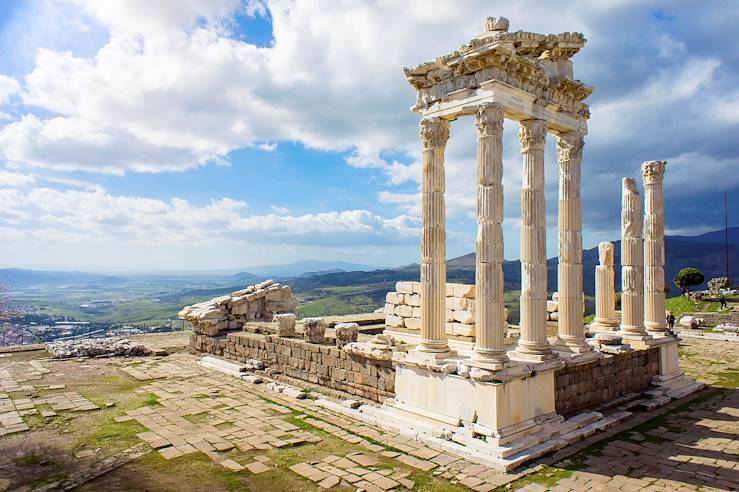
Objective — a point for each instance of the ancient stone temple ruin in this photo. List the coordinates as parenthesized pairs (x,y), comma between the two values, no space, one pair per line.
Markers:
(445,369)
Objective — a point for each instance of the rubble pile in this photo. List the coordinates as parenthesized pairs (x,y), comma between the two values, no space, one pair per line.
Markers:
(96,347)
(258,302)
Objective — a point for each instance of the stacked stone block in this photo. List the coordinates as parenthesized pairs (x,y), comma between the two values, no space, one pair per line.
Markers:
(258,302)
(325,365)
(403,308)
(604,380)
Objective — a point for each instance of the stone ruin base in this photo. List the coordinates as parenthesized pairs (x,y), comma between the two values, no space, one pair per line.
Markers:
(531,410)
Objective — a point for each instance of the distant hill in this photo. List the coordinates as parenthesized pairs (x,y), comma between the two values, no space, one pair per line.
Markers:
(22,278)
(305,267)
(705,252)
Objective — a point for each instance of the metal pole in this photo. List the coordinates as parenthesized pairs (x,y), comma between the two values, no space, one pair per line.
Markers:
(726,234)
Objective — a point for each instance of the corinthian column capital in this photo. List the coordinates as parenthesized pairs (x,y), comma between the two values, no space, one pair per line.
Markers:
(569,146)
(489,120)
(532,134)
(434,132)
(653,172)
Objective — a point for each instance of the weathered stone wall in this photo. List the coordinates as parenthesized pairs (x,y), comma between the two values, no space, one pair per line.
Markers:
(326,365)
(712,318)
(605,379)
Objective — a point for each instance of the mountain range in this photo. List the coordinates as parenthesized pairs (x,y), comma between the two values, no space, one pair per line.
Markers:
(705,252)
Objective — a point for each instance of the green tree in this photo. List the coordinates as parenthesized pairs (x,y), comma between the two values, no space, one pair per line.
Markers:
(688,277)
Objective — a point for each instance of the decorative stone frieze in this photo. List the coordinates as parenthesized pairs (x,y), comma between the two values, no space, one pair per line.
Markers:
(346,333)
(314,330)
(285,324)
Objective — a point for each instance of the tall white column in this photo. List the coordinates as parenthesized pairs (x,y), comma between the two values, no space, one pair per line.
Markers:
(533,343)
(570,325)
(434,136)
(605,293)
(653,173)
(490,322)
(632,263)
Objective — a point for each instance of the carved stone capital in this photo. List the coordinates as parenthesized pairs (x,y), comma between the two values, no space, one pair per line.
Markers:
(569,146)
(532,134)
(489,120)
(653,172)
(434,132)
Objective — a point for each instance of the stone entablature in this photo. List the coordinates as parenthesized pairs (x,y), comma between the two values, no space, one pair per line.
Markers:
(403,308)
(538,64)
(258,302)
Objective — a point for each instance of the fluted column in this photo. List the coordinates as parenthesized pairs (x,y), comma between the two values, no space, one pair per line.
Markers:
(434,136)
(570,325)
(632,262)
(653,173)
(605,293)
(533,342)
(490,322)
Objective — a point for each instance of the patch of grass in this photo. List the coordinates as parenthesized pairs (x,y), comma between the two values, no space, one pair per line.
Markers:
(681,304)
(197,418)
(152,401)
(426,482)
(728,379)
(34,421)
(43,481)
(547,476)
(29,459)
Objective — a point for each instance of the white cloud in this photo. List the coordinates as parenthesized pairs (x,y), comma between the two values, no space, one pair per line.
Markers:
(268,146)
(279,210)
(8,87)
(13,180)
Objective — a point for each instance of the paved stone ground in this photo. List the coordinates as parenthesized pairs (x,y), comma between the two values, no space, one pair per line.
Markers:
(252,431)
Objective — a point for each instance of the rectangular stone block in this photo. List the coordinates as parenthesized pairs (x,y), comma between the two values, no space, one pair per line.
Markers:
(404,287)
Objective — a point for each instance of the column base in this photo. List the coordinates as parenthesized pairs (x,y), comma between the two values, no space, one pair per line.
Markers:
(419,356)
(599,325)
(637,340)
(575,345)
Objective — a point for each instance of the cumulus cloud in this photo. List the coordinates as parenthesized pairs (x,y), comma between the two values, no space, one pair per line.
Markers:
(8,87)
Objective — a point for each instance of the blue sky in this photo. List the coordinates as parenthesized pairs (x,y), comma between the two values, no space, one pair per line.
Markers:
(139,135)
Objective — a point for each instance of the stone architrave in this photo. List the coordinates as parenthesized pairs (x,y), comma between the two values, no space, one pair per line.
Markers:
(570,324)
(653,173)
(632,264)
(490,318)
(605,293)
(434,135)
(285,324)
(533,343)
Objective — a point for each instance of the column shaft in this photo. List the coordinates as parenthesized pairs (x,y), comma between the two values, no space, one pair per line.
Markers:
(632,262)
(434,135)
(570,326)
(533,341)
(490,322)
(654,247)
(605,294)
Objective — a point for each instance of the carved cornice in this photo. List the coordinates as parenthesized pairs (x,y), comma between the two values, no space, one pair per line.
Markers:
(489,120)
(569,146)
(434,132)
(653,172)
(535,63)
(532,134)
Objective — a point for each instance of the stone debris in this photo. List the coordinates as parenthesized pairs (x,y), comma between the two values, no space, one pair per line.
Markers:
(96,347)
(258,302)
(727,328)
(692,322)
(717,285)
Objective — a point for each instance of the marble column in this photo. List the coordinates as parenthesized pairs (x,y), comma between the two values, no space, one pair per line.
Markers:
(632,263)
(533,343)
(605,292)
(490,319)
(434,136)
(570,324)
(653,173)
